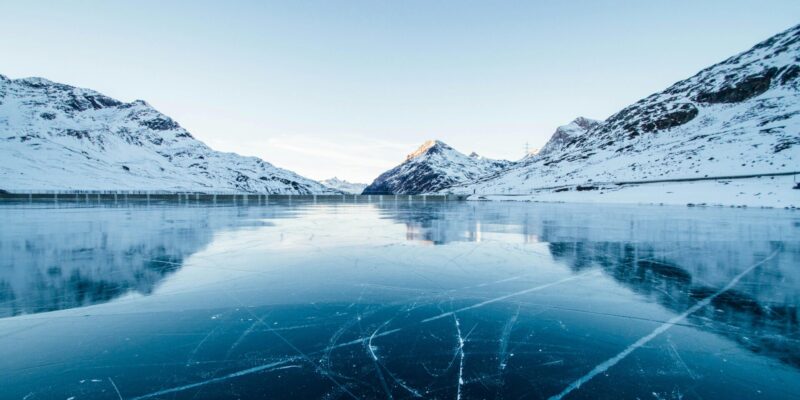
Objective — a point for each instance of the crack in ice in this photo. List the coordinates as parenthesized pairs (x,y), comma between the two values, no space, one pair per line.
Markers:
(371,351)
(360,341)
(461,362)
(303,355)
(605,365)
(508,296)
(115,388)
(241,338)
(504,337)
(244,372)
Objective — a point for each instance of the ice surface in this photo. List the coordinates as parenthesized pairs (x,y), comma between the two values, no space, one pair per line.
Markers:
(398,300)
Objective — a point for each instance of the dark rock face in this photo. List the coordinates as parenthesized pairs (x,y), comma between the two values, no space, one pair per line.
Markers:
(749,87)
(420,179)
(648,118)
(683,114)
(99,101)
(77,134)
(785,144)
(790,75)
(89,101)
(379,188)
(160,124)
(241,178)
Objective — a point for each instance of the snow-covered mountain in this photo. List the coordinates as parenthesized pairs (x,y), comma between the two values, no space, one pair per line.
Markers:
(344,186)
(433,166)
(58,137)
(738,117)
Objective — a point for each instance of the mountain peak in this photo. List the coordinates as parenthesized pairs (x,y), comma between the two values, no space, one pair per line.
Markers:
(344,186)
(429,147)
(432,167)
(35,80)
(333,181)
(566,134)
(585,123)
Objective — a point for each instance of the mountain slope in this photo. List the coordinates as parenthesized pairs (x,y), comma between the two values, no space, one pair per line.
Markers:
(344,186)
(738,117)
(433,166)
(59,137)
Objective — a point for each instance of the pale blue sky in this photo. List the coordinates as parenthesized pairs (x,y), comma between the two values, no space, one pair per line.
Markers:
(348,88)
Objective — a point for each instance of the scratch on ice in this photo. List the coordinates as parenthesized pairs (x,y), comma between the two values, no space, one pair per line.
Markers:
(265,367)
(605,365)
(508,296)
(461,353)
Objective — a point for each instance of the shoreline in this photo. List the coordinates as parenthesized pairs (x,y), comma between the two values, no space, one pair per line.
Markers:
(765,192)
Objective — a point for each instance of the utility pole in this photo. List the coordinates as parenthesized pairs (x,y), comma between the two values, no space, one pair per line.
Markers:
(527,150)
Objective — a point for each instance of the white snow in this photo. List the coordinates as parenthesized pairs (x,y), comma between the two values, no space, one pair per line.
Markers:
(753,192)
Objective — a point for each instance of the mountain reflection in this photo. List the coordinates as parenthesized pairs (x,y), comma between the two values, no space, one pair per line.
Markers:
(91,256)
(674,261)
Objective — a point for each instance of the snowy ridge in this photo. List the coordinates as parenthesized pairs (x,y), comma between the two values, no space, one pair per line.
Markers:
(566,134)
(58,137)
(738,117)
(344,186)
(434,166)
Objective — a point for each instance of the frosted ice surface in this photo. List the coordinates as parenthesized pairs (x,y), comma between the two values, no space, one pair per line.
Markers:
(398,300)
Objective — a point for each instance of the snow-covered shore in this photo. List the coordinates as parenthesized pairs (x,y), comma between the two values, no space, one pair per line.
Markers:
(775,191)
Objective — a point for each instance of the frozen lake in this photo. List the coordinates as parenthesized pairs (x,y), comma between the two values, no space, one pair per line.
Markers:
(398,300)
